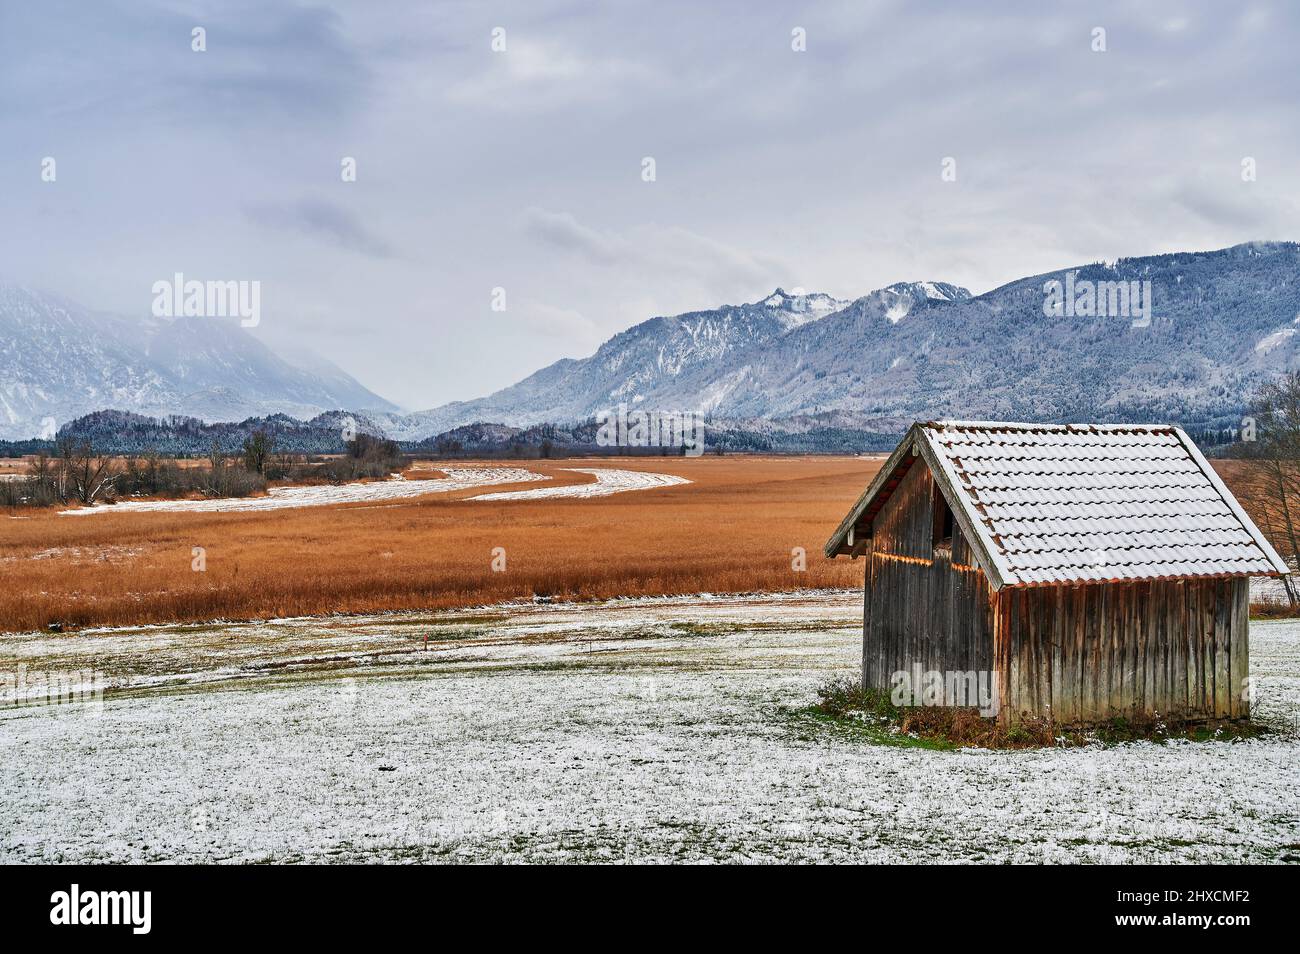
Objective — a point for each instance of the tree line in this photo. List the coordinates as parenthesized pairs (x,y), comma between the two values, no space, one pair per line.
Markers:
(75,472)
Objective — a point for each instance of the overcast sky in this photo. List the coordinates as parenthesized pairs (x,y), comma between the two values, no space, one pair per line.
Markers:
(522,169)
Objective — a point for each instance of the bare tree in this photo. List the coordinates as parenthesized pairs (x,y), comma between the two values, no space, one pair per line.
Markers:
(257,450)
(47,475)
(87,476)
(1274,455)
(217,481)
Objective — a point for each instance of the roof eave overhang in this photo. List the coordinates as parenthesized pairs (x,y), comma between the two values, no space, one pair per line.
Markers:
(917,443)
(1279,565)
(839,543)
(1161,578)
(973,530)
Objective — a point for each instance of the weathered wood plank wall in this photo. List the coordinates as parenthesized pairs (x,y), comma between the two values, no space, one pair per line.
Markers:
(1095,652)
(921,607)
(1083,653)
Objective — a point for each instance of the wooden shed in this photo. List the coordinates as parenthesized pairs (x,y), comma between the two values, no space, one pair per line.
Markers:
(1091,571)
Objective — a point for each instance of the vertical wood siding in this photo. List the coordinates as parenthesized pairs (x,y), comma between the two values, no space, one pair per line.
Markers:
(1081,654)
(1091,653)
(919,608)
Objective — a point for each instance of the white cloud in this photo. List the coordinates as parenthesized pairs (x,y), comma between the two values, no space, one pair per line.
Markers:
(535,72)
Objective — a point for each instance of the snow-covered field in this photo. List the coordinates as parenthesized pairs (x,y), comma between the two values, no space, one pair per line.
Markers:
(607,482)
(654,729)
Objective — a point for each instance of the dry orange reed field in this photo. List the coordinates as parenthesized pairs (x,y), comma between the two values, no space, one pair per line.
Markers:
(732,530)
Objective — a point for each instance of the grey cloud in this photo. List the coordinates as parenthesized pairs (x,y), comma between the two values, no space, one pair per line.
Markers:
(1242,205)
(325,220)
(561,230)
(132,62)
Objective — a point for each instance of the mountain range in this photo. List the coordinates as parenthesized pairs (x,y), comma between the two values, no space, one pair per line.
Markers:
(59,360)
(1218,324)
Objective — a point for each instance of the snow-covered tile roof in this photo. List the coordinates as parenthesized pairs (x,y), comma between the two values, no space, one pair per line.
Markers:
(1075,503)
(1078,503)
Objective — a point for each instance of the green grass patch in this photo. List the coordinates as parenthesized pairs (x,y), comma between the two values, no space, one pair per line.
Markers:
(811,724)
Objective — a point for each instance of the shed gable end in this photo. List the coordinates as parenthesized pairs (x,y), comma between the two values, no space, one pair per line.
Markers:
(1051,504)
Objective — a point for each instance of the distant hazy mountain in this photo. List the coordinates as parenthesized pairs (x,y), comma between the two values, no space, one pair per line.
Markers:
(1221,322)
(59,361)
(643,360)
(651,363)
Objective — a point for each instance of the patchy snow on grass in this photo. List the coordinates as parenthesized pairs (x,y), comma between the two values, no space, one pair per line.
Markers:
(607,482)
(635,729)
(278,498)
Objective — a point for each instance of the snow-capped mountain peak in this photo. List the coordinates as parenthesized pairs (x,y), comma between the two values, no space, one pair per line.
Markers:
(942,291)
(59,361)
(809,306)
(648,360)
(902,297)
(928,348)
